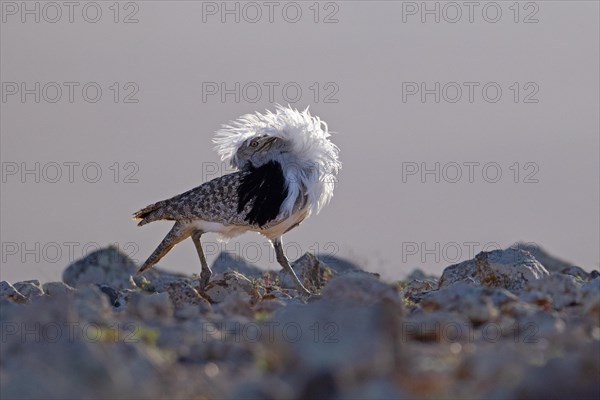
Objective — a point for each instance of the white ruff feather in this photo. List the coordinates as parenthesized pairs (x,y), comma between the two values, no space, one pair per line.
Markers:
(310,168)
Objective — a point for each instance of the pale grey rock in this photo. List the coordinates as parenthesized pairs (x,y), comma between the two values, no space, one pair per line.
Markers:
(477,304)
(465,271)
(511,269)
(108,266)
(551,263)
(8,291)
(360,289)
(229,283)
(564,290)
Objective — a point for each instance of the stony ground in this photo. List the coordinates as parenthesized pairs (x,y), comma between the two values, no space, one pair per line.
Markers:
(507,324)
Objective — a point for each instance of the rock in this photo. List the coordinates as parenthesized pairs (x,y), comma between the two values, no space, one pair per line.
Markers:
(590,298)
(182,293)
(228,284)
(227,262)
(9,292)
(57,289)
(550,263)
(92,304)
(340,265)
(157,280)
(564,290)
(155,306)
(510,269)
(420,275)
(436,326)
(30,288)
(574,376)
(269,306)
(416,289)
(112,294)
(308,270)
(325,336)
(475,303)
(577,272)
(236,304)
(108,266)
(360,289)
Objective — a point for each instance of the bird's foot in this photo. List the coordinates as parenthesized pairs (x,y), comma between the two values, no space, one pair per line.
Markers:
(205,278)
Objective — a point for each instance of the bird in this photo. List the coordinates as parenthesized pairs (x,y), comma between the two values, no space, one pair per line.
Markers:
(285,168)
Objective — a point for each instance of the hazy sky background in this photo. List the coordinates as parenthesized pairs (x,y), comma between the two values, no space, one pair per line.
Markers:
(367,58)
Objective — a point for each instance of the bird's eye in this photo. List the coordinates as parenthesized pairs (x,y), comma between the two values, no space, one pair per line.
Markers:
(254,143)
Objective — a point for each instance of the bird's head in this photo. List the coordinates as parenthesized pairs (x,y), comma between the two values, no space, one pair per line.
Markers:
(298,141)
(259,150)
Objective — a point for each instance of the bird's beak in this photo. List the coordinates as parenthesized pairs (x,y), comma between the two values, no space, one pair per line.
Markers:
(267,145)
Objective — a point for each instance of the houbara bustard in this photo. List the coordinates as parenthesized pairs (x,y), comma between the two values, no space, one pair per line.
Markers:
(285,170)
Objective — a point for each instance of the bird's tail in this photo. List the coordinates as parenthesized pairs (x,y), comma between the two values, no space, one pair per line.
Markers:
(149,213)
(178,233)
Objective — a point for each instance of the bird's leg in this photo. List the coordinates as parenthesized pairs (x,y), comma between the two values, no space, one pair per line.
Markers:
(175,235)
(285,264)
(206,272)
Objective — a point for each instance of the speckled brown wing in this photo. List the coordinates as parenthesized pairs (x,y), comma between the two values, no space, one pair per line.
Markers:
(214,201)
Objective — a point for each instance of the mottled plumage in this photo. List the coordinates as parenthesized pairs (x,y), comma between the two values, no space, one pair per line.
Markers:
(287,168)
